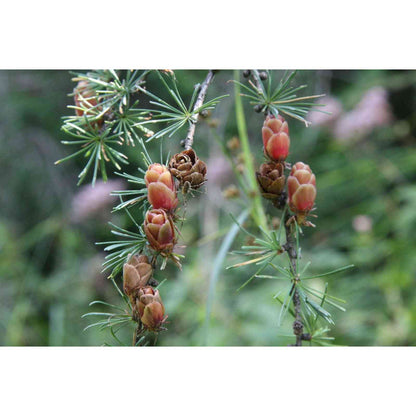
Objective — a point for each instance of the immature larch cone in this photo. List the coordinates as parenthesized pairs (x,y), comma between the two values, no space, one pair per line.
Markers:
(85,99)
(276,139)
(161,189)
(187,167)
(136,274)
(160,231)
(151,308)
(271,179)
(301,186)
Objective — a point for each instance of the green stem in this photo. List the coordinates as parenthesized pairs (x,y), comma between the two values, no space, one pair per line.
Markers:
(217,268)
(257,212)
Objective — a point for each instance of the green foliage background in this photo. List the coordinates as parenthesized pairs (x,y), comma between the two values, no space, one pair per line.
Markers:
(50,266)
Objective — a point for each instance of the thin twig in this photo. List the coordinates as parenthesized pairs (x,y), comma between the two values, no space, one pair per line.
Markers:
(188,142)
(137,333)
(260,87)
(290,247)
(257,80)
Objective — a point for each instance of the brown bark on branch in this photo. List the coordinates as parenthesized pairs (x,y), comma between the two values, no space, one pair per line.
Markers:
(257,81)
(188,142)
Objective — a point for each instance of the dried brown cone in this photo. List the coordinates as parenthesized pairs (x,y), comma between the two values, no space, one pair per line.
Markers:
(271,179)
(187,167)
(136,274)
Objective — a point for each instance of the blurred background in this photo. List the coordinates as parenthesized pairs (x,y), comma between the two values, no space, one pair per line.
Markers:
(364,158)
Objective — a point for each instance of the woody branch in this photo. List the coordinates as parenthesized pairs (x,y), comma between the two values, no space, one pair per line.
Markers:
(188,142)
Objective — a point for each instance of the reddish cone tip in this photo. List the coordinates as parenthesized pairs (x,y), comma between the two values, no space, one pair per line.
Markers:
(161,189)
(276,141)
(301,186)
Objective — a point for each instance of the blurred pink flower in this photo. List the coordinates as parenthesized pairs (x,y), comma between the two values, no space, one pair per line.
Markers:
(362,223)
(219,170)
(372,111)
(331,105)
(94,201)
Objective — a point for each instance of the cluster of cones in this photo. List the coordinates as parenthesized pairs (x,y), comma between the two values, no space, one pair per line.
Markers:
(162,189)
(301,182)
(186,171)
(146,302)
